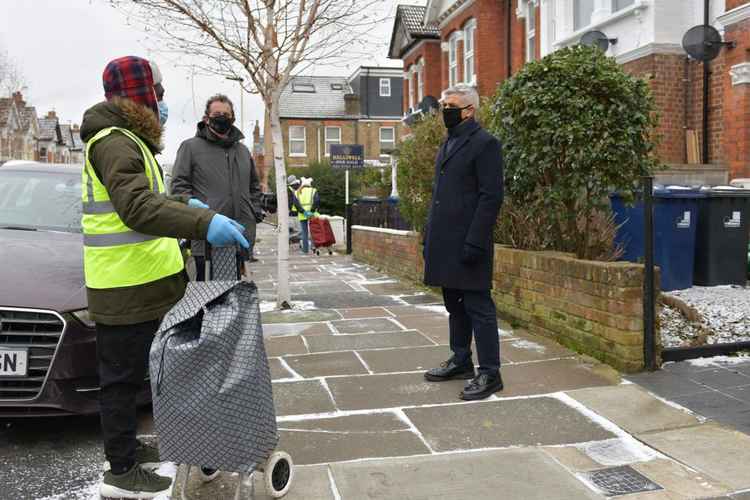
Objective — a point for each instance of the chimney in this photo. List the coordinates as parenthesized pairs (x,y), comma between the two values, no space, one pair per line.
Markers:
(51,114)
(351,104)
(18,98)
(256,133)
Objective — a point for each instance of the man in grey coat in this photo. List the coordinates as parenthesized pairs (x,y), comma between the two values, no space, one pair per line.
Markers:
(216,168)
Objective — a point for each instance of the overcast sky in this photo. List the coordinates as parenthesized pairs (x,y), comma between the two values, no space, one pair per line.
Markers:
(62,47)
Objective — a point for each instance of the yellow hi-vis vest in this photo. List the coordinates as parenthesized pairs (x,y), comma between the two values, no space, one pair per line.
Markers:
(113,254)
(306,195)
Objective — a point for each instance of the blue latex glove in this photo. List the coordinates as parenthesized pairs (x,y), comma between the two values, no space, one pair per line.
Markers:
(196,203)
(308,214)
(223,231)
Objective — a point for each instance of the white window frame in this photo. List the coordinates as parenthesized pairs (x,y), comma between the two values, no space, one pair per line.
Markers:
(453,59)
(614,7)
(420,81)
(385,91)
(328,141)
(580,27)
(391,142)
(470,29)
(531,31)
(303,140)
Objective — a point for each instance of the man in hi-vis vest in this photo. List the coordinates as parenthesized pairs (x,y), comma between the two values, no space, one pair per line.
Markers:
(310,200)
(133,266)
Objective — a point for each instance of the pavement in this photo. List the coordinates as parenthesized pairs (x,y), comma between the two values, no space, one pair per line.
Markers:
(360,421)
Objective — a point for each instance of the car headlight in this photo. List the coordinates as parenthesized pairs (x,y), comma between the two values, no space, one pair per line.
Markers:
(84,318)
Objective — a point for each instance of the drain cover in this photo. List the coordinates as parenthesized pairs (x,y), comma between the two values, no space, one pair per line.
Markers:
(615,481)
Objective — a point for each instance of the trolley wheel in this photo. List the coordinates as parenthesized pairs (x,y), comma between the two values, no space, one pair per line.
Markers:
(330,252)
(278,474)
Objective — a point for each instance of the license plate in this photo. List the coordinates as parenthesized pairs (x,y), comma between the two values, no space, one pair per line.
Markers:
(13,362)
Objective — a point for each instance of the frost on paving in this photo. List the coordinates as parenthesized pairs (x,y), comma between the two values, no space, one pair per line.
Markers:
(725,313)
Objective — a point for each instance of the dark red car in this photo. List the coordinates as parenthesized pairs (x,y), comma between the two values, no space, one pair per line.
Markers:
(47,341)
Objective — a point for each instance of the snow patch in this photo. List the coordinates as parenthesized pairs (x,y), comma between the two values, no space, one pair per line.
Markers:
(437,309)
(720,361)
(616,452)
(528,345)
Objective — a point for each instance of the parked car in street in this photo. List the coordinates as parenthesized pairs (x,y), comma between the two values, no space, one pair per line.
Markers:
(47,341)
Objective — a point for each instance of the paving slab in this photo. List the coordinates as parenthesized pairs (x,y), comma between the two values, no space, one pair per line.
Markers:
(533,348)
(299,316)
(404,360)
(711,403)
(281,346)
(310,483)
(633,409)
(421,299)
(512,474)
(338,439)
(365,312)
(405,311)
(365,325)
(550,376)
(316,289)
(496,424)
(278,370)
(301,398)
(326,364)
(666,383)
(572,458)
(389,391)
(366,341)
(284,329)
(347,300)
(719,452)
(677,479)
(720,378)
(396,288)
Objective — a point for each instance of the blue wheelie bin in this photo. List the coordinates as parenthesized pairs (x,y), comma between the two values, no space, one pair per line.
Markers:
(676,214)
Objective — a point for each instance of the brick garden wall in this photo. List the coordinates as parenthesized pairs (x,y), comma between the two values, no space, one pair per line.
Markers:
(594,308)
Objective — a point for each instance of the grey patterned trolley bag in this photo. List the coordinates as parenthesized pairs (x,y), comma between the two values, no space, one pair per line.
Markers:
(211,385)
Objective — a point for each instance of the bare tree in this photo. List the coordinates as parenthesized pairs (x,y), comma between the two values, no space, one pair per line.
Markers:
(264,42)
(11,76)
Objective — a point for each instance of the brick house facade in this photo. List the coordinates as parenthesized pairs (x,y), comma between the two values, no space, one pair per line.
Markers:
(365,108)
(443,41)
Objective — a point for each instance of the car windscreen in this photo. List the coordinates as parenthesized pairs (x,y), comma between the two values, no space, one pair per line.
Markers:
(49,201)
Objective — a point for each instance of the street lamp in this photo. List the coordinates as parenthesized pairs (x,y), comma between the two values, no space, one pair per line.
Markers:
(239,80)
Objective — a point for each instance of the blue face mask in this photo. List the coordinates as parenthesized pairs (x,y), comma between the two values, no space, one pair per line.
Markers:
(163,112)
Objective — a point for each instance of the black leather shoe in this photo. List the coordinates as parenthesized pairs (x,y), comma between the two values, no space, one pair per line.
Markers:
(449,370)
(482,387)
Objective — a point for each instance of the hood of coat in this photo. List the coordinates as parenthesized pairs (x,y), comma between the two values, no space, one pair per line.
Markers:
(204,132)
(123,113)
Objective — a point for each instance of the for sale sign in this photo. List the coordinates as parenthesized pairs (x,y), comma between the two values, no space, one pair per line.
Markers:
(347,156)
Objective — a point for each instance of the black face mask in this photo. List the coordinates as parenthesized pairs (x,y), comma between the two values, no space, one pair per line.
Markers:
(220,124)
(452,116)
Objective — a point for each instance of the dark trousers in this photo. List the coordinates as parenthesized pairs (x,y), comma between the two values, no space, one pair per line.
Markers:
(305,228)
(122,355)
(473,311)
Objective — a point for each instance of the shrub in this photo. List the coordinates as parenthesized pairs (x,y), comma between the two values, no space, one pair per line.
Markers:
(574,126)
(416,168)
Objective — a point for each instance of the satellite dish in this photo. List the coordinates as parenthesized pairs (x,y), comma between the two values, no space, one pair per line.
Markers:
(704,42)
(597,39)
(428,104)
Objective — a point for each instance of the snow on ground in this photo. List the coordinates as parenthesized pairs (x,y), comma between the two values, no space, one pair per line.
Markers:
(725,311)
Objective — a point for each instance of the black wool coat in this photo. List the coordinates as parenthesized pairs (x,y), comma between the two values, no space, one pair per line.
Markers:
(466,197)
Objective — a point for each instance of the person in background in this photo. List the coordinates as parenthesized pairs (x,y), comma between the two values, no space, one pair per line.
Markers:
(133,266)
(292,185)
(309,199)
(458,246)
(217,169)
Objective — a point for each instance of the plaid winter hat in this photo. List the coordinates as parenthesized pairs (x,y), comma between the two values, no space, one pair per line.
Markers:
(130,77)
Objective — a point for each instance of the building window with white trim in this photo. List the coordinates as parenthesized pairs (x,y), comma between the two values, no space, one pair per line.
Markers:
(621,4)
(531,38)
(297,141)
(469,32)
(453,60)
(411,89)
(387,139)
(333,136)
(420,81)
(582,12)
(385,87)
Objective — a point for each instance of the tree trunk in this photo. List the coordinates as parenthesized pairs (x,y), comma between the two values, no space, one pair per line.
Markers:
(284,296)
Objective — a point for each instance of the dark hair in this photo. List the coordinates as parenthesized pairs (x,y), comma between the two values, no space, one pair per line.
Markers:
(219,98)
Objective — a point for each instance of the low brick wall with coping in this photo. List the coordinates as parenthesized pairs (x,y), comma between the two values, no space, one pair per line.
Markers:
(594,308)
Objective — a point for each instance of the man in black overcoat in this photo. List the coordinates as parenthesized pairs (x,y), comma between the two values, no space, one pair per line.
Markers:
(458,242)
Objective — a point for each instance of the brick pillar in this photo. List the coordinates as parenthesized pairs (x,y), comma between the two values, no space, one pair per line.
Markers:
(736,87)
